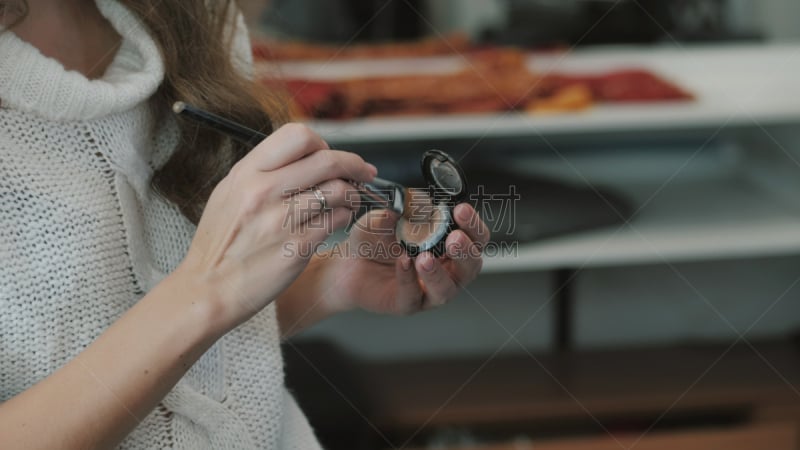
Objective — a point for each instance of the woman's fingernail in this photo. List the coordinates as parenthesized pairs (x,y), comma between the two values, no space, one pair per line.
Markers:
(405,263)
(427,264)
(373,169)
(463,212)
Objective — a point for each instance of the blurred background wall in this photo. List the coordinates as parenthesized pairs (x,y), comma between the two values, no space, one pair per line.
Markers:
(779,19)
(772,19)
(623,306)
(527,22)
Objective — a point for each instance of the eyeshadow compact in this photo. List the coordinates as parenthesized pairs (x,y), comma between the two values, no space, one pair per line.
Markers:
(427,218)
(426,213)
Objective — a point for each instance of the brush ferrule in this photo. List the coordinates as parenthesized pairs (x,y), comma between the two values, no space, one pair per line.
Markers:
(383,194)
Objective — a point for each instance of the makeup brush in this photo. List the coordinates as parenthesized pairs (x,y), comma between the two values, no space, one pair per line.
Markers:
(233,130)
(378,194)
(424,221)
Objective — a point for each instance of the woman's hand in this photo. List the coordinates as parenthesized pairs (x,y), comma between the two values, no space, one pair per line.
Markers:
(382,281)
(370,271)
(254,237)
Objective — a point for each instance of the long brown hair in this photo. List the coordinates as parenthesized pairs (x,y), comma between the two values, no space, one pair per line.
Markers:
(195,38)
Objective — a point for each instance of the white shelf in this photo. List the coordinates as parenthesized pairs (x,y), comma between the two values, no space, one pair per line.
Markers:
(704,219)
(711,220)
(735,86)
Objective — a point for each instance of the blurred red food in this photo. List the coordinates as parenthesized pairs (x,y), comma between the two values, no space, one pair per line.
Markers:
(273,50)
(494,80)
(634,85)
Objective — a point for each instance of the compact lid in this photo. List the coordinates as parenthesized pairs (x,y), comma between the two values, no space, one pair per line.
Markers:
(444,176)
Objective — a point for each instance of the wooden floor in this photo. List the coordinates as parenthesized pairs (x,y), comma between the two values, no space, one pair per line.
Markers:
(713,395)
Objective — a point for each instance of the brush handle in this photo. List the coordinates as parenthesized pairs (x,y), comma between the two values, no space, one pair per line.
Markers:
(379,194)
(234,130)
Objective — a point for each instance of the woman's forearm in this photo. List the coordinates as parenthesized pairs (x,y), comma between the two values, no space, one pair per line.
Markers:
(99,397)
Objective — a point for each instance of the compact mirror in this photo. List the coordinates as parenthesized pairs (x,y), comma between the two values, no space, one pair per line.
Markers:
(427,219)
(444,176)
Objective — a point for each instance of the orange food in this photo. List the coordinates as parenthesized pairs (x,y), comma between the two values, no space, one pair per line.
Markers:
(575,97)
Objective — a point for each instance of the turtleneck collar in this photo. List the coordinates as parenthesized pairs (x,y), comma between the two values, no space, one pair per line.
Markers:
(32,82)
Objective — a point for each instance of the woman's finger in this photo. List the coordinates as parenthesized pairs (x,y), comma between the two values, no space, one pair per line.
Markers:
(310,205)
(439,286)
(471,223)
(409,297)
(322,166)
(335,219)
(287,144)
(465,264)
(306,238)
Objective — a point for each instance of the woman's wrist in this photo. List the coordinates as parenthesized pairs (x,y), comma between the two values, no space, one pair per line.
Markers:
(202,298)
(313,297)
(332,267)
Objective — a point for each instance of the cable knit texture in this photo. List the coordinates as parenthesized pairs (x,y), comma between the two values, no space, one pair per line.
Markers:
(83,237)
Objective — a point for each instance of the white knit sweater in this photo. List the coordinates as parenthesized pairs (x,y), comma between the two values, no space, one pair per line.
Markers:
(83,237)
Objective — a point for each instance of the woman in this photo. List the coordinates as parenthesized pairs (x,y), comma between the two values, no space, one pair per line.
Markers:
(121,321)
